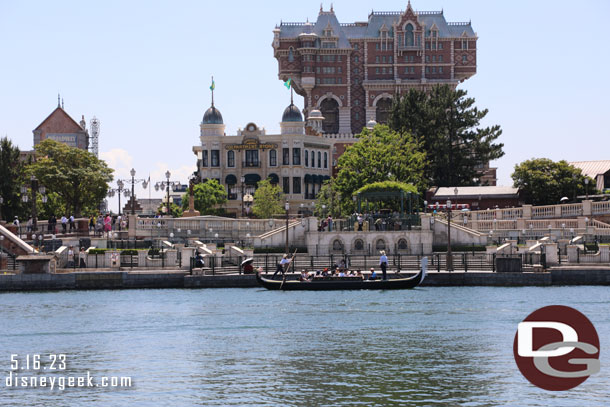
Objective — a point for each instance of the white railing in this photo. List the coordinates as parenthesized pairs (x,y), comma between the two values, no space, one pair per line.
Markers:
(543,212)
(600,208)
(571,209)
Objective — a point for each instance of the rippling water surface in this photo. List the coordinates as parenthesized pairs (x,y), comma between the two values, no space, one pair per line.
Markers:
(239,347)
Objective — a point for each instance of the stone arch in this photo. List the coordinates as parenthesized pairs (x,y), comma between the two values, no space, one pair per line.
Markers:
(402,246)
(358,244)
(381,244)
(330,110)
(337,245)
(329,96)
(383,107)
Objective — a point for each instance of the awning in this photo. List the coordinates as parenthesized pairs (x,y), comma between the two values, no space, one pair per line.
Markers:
(273,178)
(326,177)
(231,179)
(307,178)
(317,179)
(252,179)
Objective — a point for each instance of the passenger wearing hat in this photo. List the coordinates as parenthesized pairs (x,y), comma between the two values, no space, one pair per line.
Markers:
(383,263)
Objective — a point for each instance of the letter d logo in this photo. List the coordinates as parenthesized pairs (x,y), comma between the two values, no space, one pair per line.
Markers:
(556,348)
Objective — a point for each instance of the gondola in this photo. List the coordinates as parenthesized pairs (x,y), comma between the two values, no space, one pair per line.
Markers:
(343,283)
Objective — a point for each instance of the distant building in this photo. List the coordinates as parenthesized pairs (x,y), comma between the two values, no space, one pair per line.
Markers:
(598,170)
(59,126)
(478,198)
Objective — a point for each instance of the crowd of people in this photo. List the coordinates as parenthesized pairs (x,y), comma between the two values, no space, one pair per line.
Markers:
(99,225)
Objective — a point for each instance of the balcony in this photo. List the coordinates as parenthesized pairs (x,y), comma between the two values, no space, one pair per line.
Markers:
(409,47)
(251,164)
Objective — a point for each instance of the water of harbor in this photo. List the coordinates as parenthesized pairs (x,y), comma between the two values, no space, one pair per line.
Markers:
(250,347)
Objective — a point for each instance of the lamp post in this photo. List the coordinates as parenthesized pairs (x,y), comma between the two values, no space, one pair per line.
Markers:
(449,253)
(133,195)
(167,184)
(587,187)
(25,198)
(1,202)
(287,207)
(243,181)
(119,190)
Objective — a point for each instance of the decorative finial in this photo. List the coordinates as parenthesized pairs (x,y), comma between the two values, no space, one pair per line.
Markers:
(62,103)
(58,105)
(321,10)
(212,87)
(331,8)
(291,98)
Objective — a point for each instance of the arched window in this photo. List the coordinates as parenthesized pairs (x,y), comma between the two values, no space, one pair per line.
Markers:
(380,245)
(272,158)
(402,245)
(306,158)
(230,158)
(325,160)
(290,55)
(319,159)
(384,106)
(330,110)
(409,35)
(313,158)
(359,245)
(337,245)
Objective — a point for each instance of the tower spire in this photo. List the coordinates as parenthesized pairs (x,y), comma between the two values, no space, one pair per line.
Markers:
(291,95)
(58,104)
(212,87)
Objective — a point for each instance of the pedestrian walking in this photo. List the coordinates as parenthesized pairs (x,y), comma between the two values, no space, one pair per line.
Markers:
(81,258)
(64,223)
(71,222)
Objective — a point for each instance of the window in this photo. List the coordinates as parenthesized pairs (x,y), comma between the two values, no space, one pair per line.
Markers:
(317,69)
(377,46)
(313,158)
(204,158)
(325,160)
(231,158)
(440,69)
(251,158)
(464,44)
(406,69)
(356,71)
(412,69)
(427,44)
(338,58)
(317,81)
(440,58)
(215,158)
(383,59)
(440,45)
(329,44)
(328,58)
(286,184)
(402,244)
(356,102)
(359,245)
(356,116)
(356,81)
(290,55)
(356,59)
(464,59)
(339,80)
(296,185)
(306,158)
(272,158)
(339,69)
(427,69)
(296,156)
(433,58)
(390,59)
(377,59)
(337,245)
(409,35)
(286,156)
(319,159)
(307,69)
(433,69)
(427,58)
(356,47)
(376,70)
(383,70)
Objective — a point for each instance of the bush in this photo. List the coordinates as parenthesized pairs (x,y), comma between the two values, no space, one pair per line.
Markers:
(129,252)
(97,251)
(153,252)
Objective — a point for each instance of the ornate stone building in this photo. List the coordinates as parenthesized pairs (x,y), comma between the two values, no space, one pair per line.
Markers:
(298,159)
(351,72)
(60,127)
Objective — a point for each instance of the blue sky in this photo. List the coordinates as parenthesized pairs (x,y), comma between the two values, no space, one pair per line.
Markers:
(144,67)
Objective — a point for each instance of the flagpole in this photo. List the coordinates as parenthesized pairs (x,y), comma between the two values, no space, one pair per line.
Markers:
(212,90)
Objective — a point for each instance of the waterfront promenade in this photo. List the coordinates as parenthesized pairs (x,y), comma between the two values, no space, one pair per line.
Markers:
(92,280)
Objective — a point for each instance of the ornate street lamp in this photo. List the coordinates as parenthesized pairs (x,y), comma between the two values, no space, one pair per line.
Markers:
(133,194)
(587,187)
(287,207)
(449,253)
(243,181)
(35,188)
(167,184)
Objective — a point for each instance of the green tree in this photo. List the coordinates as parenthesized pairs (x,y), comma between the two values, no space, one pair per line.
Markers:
(78,177)
(446,122)
(268,200)
(542,181)
(328,201)
(209,197)
(175,210)
(11,177)
(380,154)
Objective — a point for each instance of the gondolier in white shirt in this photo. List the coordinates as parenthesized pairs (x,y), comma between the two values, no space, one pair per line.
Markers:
(383,263)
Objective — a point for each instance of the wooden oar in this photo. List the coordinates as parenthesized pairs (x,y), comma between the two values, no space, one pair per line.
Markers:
(287,267)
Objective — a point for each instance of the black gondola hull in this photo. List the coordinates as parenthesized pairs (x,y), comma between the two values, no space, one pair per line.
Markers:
(337,284)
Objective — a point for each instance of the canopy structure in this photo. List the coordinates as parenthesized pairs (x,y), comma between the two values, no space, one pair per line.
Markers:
(252,179)
(273,178)
(383,191)
(231,179)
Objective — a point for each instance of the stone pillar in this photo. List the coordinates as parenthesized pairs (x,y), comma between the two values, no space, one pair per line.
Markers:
(550,251)
(345,120)
(133,226)
(371,113)
(527,212)
(604,253)
(586,207)
(572,253)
